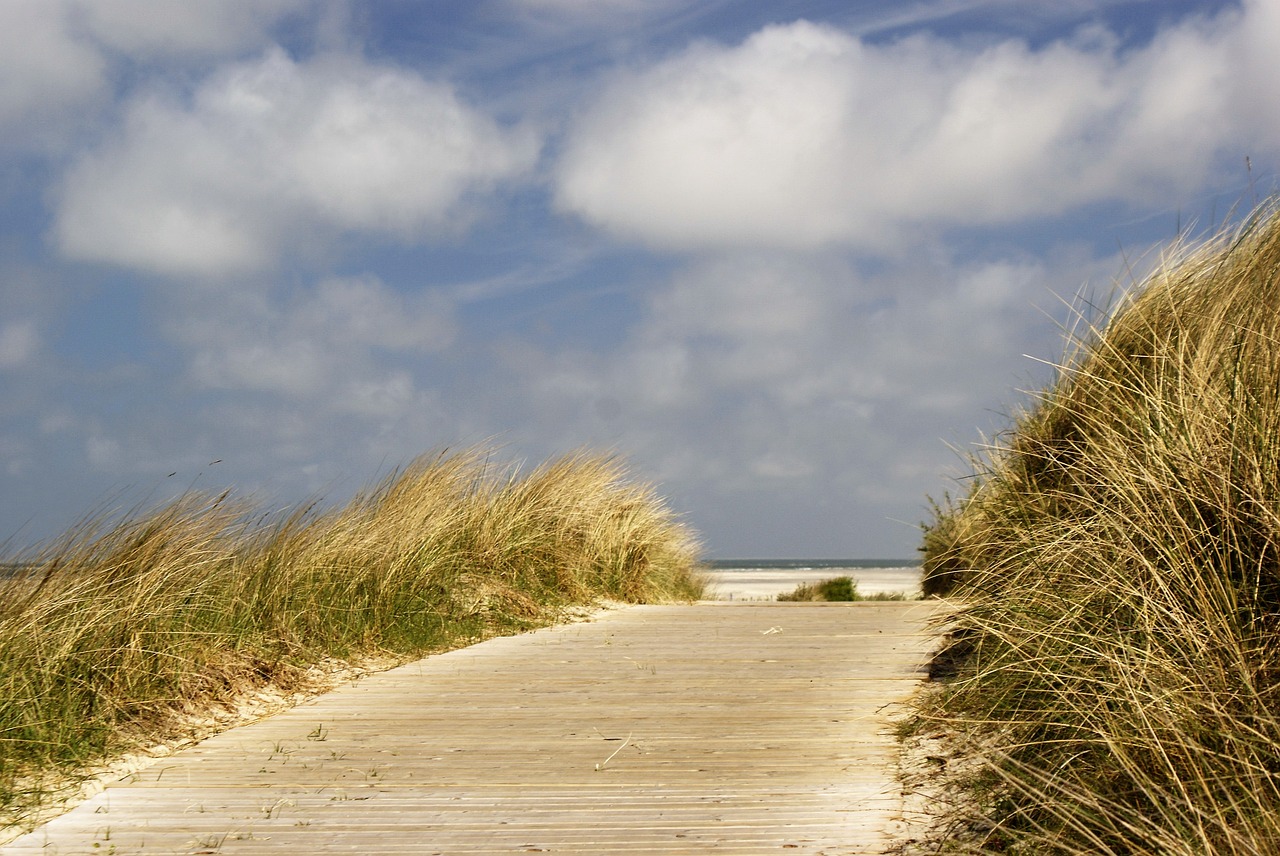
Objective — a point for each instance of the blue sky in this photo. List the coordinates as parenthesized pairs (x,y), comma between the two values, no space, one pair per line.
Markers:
(789,258)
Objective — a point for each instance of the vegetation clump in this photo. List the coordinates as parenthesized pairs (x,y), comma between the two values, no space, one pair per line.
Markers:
(839,589)
(1116,652)
(123,625)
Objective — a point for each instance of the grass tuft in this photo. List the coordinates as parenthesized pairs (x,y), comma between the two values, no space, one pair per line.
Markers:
(838,589)
(111,634)
(1116,654)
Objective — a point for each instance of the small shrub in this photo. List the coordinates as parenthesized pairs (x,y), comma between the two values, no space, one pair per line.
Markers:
(838,589)
(835,590)
(802,592)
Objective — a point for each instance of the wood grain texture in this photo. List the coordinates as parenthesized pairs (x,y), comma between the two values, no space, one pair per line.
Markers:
(744,728)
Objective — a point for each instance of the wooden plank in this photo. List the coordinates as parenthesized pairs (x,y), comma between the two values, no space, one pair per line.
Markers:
(747,727)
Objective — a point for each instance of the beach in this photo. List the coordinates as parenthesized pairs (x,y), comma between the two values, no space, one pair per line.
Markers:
(768,583)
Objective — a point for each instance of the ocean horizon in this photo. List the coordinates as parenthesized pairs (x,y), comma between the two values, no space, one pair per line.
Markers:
(749,564)
(765,579)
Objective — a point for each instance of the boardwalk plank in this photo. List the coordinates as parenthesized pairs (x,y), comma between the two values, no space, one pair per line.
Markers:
(748,728)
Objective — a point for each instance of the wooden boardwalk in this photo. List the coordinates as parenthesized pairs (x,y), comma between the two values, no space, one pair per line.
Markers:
(745,728)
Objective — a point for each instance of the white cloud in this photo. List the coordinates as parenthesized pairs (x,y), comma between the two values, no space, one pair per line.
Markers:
(272,155)
(1254,62)
(586,14)
(389,395)
(803,136)
(19,341)
(104,453)
(794,401)
(202,27)
(43,68)
(581,7)
(337,345)
(56,56)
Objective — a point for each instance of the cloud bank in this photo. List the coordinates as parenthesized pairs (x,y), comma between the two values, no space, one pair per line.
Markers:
(312,262)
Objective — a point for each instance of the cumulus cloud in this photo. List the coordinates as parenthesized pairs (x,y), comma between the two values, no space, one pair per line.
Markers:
(797,402)
(201,27)
(56,55)
(579,14)
(295,393)
(19,341)
(269,155)
(581,7)
(339,345)
(803,136)
(43,68)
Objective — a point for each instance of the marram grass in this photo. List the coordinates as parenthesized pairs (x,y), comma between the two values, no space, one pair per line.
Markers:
(123,625)
(1117,559)
(837,589)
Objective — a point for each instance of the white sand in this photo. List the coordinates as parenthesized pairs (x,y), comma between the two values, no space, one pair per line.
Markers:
(768,583)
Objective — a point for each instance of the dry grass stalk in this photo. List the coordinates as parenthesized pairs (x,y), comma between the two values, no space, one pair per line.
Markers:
(125,626)
(1118,555)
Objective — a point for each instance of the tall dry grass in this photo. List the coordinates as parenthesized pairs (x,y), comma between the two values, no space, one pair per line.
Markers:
(125,623)
(1118,562)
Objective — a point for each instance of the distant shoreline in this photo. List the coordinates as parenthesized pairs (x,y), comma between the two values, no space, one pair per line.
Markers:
(767,582)
(807,564)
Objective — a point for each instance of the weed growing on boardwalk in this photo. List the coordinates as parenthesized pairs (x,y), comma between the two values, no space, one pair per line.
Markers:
(125,623)
(1118,557)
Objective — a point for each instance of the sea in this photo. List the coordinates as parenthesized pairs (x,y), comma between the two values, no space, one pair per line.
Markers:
(808,564)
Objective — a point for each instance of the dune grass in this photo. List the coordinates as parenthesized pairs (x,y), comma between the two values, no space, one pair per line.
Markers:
(837,590)
(1117,558)
(126,623)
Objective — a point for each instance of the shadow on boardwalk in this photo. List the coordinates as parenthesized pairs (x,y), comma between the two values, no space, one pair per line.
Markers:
(751,728)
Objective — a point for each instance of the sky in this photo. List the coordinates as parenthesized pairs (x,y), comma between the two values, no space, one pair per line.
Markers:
(791,259)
